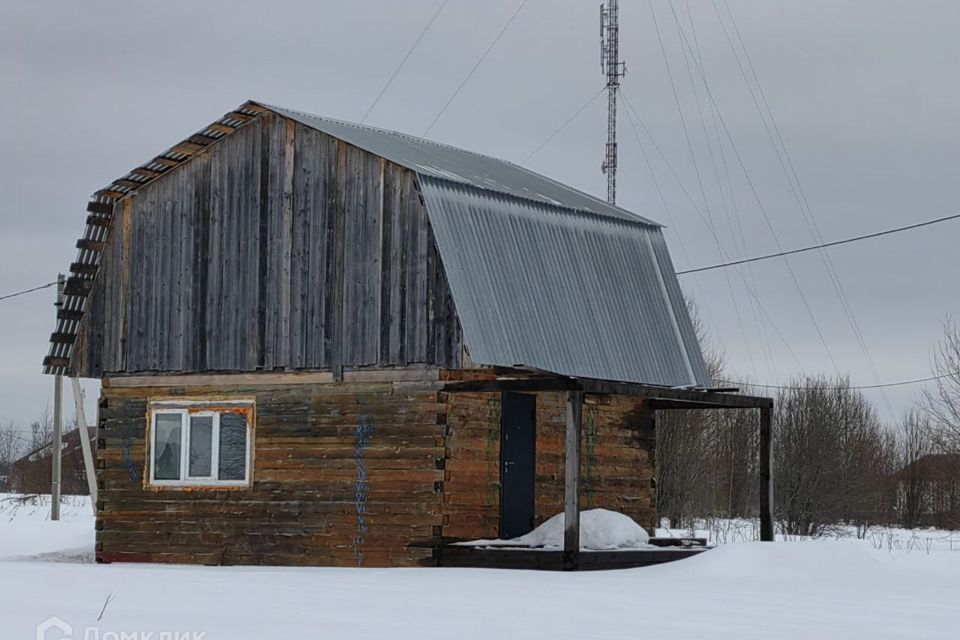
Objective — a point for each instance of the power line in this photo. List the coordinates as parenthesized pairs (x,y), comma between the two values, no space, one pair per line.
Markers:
(887,385)
(835,243)
(756,196)
(716,172)
(403,61)
(793,179)
(31,290)
(476,66)
(563,126)
(686,192)
(711,226)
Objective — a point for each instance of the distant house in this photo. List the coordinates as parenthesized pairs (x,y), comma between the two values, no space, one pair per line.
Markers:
(32,473)
(323,343)
(928,491)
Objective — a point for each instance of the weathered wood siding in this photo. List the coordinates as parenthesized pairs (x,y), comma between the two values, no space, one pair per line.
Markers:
(278,247)
(617,463)
(377,470)
(344,474)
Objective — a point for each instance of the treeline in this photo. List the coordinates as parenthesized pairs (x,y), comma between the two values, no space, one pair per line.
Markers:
(835,463)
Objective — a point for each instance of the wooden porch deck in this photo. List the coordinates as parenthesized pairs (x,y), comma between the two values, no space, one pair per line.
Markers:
(670,550)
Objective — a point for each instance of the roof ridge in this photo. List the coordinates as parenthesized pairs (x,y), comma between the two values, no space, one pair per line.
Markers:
(392,132)
(588,202)
(564,208)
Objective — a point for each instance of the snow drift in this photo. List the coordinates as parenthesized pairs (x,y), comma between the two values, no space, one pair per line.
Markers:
(600,530)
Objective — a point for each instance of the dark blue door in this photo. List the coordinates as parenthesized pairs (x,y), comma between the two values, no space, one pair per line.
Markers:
(518,463)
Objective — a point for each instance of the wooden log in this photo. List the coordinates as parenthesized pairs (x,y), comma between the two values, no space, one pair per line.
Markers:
(78,286)
(98,221)
(186,148)
(105,208)
(146,173)
(221,128)
(165,162)
(51,361)
(84,268)
(68,314)
(201,139)
(241,117)
(90,245)
(129,184)
(571,485)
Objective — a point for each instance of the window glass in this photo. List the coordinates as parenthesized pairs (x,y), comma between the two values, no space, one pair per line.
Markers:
(201,446)
(233,446)
(166,461)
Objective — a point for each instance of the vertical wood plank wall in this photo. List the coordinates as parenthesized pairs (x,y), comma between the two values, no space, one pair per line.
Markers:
(344,474)
(617,460)
(279,247)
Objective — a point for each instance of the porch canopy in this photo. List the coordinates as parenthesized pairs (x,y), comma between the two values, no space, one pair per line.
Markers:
(655,399)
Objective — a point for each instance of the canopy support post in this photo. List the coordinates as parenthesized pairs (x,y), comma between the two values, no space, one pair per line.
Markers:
(766,475)
(571,485)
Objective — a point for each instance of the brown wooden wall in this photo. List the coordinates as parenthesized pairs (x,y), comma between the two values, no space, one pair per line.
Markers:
(311,469)
(617,460)
(278,247)
(429,472)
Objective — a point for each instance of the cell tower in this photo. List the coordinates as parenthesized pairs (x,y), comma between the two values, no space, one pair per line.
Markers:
(614,69)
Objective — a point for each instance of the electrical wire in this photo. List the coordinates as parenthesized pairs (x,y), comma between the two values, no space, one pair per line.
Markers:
(734,221)
(696,208)
(693,158)
(716,172)
(793,179)
(759,202)
(563,126)
(834,243)
(403,61)
(31,290)
(493,44)
(886,385)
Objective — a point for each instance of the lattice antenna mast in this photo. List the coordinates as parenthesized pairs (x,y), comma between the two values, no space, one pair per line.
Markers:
(614,69)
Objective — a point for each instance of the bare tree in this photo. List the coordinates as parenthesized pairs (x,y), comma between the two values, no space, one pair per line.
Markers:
(41,430)
(942,404)
(11,448)
(912,479)
(832,458)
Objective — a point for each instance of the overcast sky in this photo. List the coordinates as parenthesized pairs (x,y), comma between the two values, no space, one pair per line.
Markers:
(864,93)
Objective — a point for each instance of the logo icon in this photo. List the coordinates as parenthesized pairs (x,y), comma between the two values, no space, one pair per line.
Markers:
(53,628)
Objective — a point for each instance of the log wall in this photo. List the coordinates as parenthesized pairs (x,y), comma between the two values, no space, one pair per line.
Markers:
(377,470)
(344,474)
(617,464)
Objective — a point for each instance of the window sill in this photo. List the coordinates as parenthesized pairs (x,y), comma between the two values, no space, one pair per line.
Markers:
(190,485)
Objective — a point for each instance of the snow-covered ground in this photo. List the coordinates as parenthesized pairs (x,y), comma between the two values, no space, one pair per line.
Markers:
(837,588)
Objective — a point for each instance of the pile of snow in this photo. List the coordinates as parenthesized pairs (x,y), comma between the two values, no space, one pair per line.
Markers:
(600,530)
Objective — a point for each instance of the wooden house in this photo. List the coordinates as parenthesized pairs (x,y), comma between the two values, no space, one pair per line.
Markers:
(322,343)
(32,473)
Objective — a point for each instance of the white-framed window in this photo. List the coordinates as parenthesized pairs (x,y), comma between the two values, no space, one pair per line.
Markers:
(200,443)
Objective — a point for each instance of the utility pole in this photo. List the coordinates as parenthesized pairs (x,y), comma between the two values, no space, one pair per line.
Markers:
(57,423)
(614,69)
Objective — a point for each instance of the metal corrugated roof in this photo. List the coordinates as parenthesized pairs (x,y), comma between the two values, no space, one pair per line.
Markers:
(438,160)
(543,275)
(543,286)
